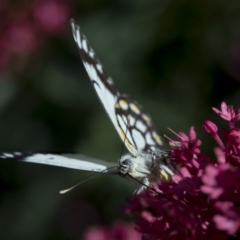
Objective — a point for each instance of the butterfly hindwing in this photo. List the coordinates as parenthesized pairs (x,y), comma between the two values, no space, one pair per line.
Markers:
(131,121)
(141,130)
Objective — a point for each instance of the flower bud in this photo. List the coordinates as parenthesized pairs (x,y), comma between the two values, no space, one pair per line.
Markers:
(210,127)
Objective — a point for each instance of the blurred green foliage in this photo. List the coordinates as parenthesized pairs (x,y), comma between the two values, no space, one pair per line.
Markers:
(177,58)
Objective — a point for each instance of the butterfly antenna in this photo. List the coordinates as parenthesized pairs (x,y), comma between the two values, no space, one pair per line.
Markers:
(96,174)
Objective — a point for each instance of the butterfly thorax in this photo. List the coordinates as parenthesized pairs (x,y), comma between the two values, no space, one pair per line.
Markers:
(145,165)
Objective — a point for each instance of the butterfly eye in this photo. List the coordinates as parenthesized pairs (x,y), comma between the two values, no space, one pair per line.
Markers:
(126,162)
(125,165)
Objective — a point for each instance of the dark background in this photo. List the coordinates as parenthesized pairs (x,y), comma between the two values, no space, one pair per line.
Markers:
(177,58)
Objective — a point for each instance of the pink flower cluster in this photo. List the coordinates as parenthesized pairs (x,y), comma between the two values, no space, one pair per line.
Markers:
(119,231)
(202,201)
(26,25)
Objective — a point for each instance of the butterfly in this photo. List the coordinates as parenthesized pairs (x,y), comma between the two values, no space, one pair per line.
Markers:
(146,162)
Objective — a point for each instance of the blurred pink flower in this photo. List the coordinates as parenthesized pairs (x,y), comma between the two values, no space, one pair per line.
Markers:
(220,180)
(119,231)
(229,219)
(228,113)
(202,201)
(22,37)
(27,26)
(4,52)
(52,16)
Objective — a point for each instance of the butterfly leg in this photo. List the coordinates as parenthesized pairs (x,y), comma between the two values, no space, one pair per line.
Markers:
(145,184)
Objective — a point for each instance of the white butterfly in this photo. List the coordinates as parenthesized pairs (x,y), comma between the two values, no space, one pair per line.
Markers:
(145,162)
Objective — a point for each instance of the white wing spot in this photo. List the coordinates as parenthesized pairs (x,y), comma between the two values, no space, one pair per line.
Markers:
(99,67)
(84,45)
(78,40)
(138,137)
(91,53)
(142,127)
(8,155)
(110,81)
(131,120)
(17,153)
(149,139)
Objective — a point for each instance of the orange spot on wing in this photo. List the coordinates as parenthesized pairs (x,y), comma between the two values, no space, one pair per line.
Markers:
(135,108)
(157,138)
(164,174)
(123,104)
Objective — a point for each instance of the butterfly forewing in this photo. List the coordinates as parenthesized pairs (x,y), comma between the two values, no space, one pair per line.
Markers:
(131,121)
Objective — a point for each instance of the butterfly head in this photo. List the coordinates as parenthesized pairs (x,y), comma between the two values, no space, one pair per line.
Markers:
(126,163)
(135,166)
